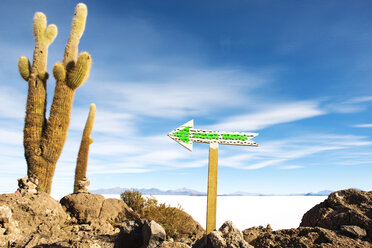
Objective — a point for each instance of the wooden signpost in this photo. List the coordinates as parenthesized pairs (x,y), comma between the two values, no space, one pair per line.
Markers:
(186,135)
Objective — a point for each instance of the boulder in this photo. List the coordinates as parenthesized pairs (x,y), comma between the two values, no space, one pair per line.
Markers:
(83,206)
(307,237)
(140,234)
(116,211)
(130,234)
(87,208)
(342,208)
(153,234)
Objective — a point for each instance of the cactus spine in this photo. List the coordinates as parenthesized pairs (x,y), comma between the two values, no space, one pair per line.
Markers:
(86,140)
(44,138)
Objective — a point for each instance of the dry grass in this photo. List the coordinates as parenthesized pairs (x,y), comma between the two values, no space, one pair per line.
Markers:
(175,221)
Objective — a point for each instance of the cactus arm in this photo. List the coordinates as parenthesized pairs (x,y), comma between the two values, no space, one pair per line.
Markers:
(86,140)
(43,36)
(80,72)
(24,68)
(59,72)
(77,30)
(36,99)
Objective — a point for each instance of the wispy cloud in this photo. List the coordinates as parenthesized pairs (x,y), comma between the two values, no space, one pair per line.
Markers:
(12,102)
(352,105)
(363,125)
(271,115)
(106,121)
(290,167)
(186,92)
(281,152)
(262,164)
(361,99)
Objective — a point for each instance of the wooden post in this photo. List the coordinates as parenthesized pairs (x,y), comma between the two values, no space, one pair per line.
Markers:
(212,187)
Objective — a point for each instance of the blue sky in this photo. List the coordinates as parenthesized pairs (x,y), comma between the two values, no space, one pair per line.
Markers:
(296,72)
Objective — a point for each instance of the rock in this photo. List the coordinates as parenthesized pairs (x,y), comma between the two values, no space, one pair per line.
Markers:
(12,228)
(28,184)
(7,225)
(31,214)
(83,206)
(130,234)
(354,231)
(140,234)
(227,236)
(232,235)
(307,237)
(82,186)
(345,207)
(172,244)
(116,211)
(153,234)
(5,214)
(37,220)
(33,210)
(216,239)
(87,208)
(190,230)
(252,233)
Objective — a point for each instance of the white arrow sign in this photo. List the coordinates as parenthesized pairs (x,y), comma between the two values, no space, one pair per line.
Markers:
(186,135)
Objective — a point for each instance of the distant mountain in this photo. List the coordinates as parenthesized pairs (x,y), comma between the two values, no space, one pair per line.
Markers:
(240,193)
(191,192)
(320,193)
(152,191)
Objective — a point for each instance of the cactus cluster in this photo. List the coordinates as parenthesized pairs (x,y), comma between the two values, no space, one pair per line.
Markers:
(44,137)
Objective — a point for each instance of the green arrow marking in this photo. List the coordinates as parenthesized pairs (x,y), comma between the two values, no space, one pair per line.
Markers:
(234,137)
(202,135)
(183,134)
(186,135)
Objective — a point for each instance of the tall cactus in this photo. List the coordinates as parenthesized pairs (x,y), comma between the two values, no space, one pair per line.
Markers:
(44,138)
(86,140)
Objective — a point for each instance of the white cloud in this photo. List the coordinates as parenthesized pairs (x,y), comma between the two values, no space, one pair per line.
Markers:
(290,167)
(271,115)
(363,125)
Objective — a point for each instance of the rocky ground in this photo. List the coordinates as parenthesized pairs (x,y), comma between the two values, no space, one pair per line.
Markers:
(30,219)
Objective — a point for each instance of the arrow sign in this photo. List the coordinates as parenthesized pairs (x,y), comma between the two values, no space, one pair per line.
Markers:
(186,135)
